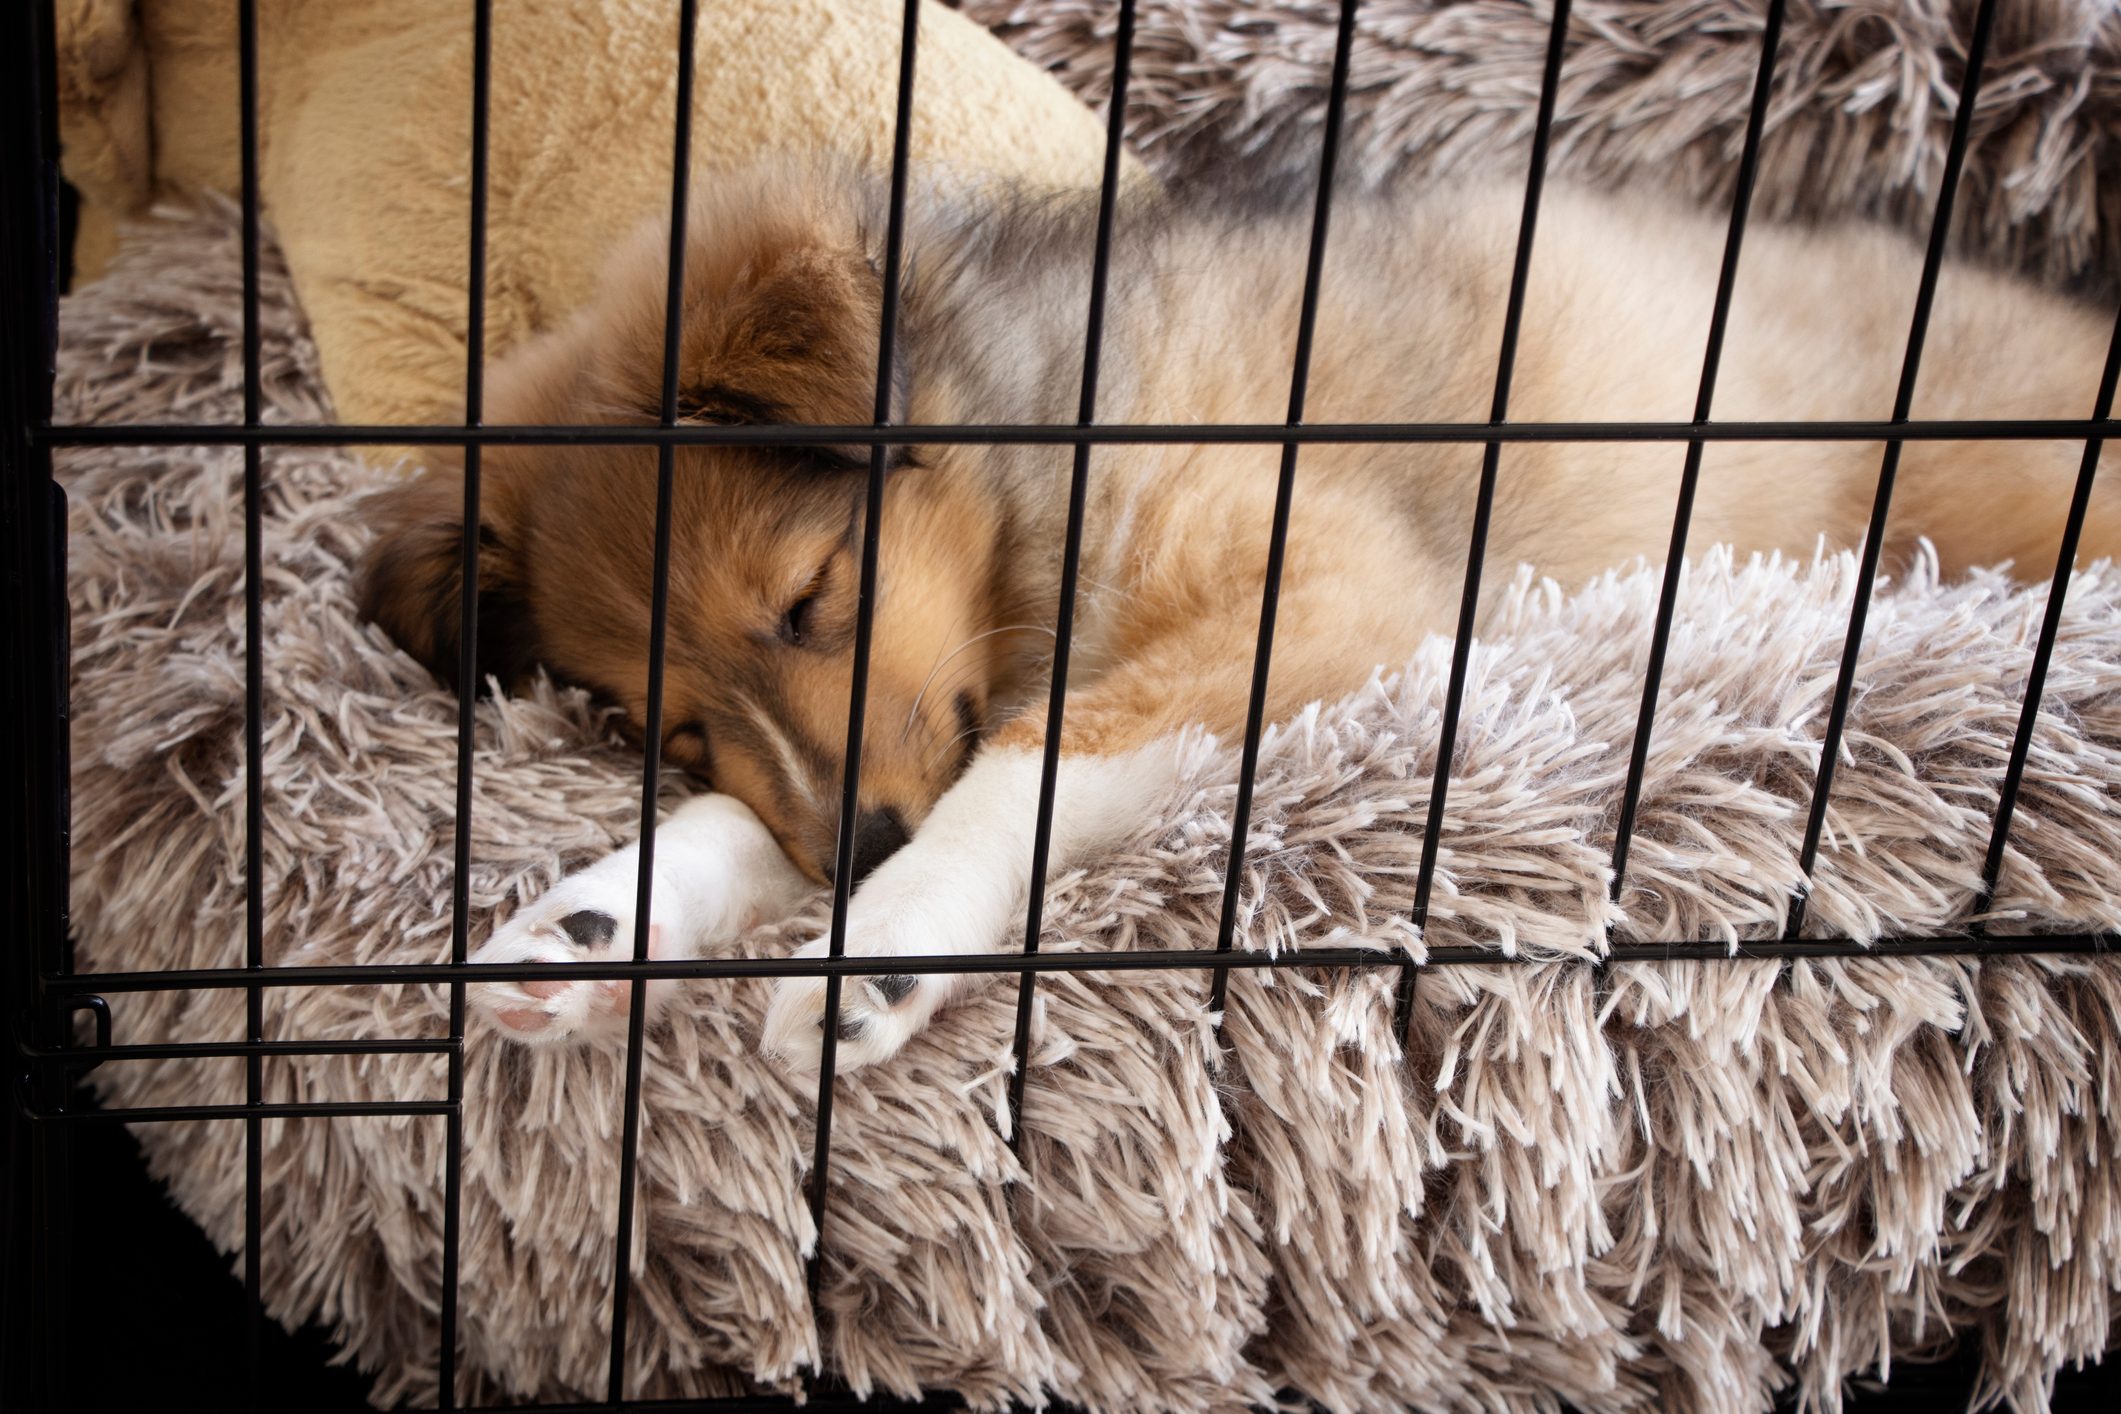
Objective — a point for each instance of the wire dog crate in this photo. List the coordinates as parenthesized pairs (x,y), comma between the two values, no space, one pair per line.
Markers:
(46,996)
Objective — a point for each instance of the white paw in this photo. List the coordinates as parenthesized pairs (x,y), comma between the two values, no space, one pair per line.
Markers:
(717,872)
(878,1015)
(918,902)
(957,889)
(587,917)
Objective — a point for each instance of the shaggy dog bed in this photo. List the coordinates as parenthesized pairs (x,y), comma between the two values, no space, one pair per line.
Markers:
(1862,110)
(1643,1187)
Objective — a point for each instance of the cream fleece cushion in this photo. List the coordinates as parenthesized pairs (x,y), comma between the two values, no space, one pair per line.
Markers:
(365,117)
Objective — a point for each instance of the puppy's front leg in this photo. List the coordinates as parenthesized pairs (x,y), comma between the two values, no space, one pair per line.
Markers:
(717,872)
(960,886)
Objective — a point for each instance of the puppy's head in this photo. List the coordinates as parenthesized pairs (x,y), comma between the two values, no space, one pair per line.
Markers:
(780,322)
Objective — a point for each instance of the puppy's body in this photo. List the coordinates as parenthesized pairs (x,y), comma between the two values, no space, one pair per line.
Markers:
(782,310)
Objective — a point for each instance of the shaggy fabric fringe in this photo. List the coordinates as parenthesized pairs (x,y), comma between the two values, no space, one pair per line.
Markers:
(1234,91)
(1675,1187)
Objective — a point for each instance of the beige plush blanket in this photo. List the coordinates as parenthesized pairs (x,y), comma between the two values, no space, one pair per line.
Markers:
(1652,1187)
(365,139)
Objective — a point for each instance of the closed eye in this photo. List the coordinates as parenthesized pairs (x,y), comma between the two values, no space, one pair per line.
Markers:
(720,405)
(795,625)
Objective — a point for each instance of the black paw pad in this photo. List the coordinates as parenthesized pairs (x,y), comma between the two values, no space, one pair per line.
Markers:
(853,1028)
(892,989)
(589,928)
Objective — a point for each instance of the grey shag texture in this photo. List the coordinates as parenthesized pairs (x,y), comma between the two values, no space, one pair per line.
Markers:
(1233,92)
(1652,1188)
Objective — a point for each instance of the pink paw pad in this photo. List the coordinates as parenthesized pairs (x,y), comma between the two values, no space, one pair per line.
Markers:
(566,1005)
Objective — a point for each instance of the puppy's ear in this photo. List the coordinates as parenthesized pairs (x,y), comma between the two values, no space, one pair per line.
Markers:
(791,337)
(411,580)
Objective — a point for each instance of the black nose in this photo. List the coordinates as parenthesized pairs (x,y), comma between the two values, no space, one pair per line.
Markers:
(878,834)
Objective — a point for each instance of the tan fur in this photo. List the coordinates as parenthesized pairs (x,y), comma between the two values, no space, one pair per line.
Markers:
(780,318)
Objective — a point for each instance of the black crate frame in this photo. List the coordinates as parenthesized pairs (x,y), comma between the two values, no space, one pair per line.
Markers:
(44,992)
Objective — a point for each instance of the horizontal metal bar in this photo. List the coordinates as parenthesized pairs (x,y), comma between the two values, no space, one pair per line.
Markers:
(208,1050)
(1068,434)
(697,968)
(165,1114)
(816,1401)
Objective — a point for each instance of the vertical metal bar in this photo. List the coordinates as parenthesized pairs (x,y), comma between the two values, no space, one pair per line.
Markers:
(658,631)
(1690,477)
(2050,626)
(864,627)
(1903,402)
(253,701)
(1071,551)
(35,1257)
(467,695)
(1484,503)
(1284,493)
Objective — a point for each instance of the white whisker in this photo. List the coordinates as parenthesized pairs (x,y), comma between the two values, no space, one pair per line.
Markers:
(919,697)
(937,755)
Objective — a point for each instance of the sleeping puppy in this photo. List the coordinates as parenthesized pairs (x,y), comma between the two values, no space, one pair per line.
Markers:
(781,314)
